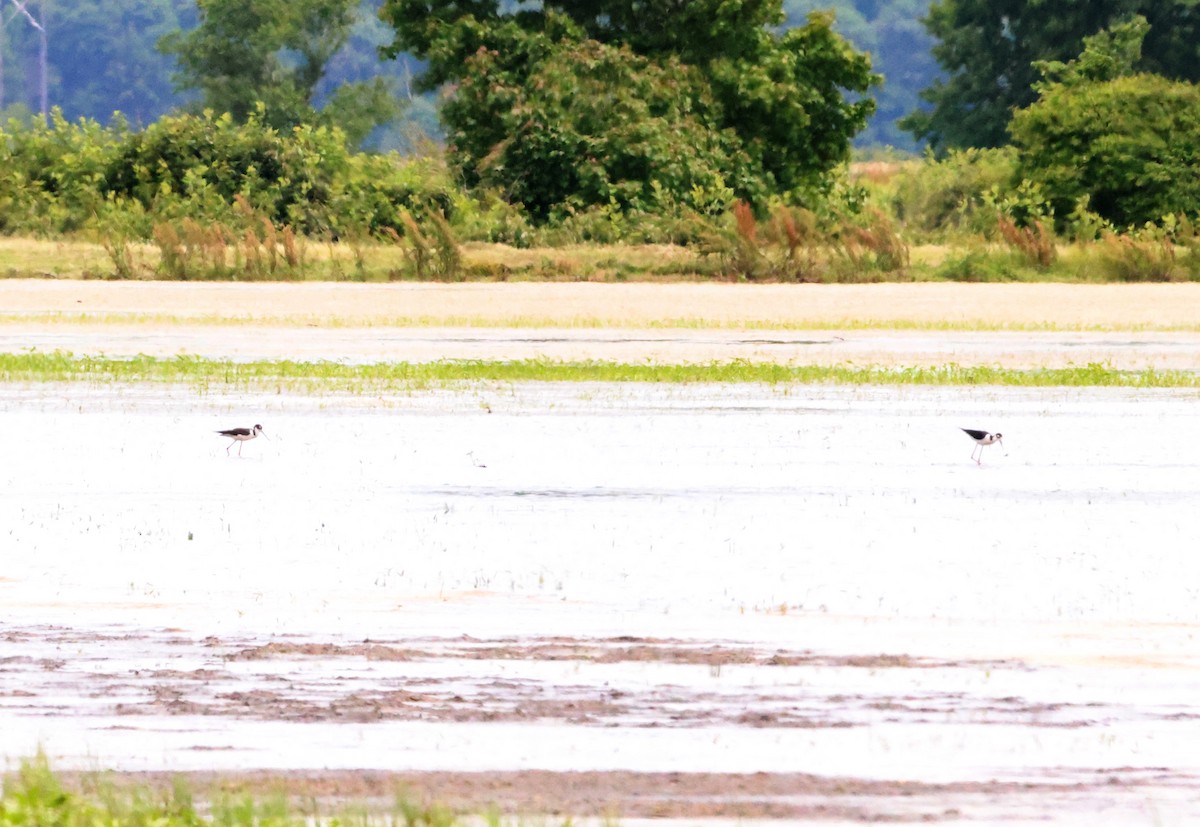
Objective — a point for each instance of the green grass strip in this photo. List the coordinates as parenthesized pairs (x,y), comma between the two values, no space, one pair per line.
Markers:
(37,796)
(338,376)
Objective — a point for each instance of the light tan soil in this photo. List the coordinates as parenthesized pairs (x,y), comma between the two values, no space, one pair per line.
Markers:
(623,305)
(1132,327)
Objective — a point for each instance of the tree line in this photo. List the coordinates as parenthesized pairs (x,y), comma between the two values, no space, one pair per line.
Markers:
(636,107)
(103,56)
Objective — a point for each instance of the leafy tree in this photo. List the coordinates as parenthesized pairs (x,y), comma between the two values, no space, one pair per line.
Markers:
(763,110)
(989,47)
(1128,143)
(270,56)
(1107,55)
(596,124)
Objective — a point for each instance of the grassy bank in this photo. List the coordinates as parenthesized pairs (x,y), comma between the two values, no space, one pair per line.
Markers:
(322,376)
(364,260)
(369,260)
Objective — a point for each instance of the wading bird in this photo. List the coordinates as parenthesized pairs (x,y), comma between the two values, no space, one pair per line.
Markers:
(240,435)
(982,439)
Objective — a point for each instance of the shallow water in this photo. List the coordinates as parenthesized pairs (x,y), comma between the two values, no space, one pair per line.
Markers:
(1026,349)
(1040,610)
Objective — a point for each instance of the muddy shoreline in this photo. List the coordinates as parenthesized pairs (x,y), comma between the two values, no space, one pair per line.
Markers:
(123,678)
(639,795)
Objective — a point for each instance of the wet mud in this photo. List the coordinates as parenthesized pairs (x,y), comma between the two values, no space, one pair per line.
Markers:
(114,680)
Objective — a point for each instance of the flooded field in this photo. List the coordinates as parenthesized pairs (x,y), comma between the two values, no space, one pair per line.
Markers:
(694,602)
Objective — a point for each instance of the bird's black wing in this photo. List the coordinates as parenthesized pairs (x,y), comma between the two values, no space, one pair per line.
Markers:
(973,434)
(235,432)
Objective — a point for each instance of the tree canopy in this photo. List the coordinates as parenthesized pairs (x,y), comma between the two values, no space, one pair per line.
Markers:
(759,110)
(989,47)
(269,56)
(1126,142)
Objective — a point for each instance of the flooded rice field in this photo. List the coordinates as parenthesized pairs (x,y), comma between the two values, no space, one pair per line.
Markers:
(795,602)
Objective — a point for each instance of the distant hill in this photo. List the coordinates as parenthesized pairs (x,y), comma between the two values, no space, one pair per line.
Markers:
(900,48)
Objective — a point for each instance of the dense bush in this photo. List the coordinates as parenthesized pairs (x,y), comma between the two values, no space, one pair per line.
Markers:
(1124,145)
(206,161)
(51,173)
(59,177)
(378,190)
(1131,146)
(595,125)
(576,106)
(952,193)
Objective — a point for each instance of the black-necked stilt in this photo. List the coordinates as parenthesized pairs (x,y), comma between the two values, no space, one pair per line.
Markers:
(240,435)
(982,439)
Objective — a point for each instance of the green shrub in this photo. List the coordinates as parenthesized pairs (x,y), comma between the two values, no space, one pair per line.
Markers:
(50,171)
(485,216)
(1130,145)
(670,221)
(975,264)
(206,161)
(119,224)
(58,178)
(378,190)
(956,193)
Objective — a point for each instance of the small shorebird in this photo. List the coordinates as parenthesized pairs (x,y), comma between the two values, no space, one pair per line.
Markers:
(240,435)
(982,439)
